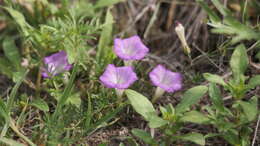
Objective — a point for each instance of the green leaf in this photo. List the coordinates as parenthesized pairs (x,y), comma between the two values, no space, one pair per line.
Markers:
(193,137)
(146,137)
(105,38)
(11,99)
(250,108)
(105,3)
(6,68)
(239,61)
(155,121)
(107,117)
(190,97)
(11,52)
(212,15)
(232,137)
(224,11)
(3,110)
(10,142)
(74,99)
(194,117)
(20,20)
(254,81)
(88,113)
(237,30)
(40,104)
(214,79)
(215,96)
(64,97)
(140,103)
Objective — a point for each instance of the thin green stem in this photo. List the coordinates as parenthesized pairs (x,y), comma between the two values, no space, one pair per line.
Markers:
(66,92)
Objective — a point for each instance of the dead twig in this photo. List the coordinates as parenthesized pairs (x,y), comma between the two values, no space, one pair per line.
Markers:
(256,131)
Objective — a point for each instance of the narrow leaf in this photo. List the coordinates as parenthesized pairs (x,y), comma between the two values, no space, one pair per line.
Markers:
(105,3)
(224,11)
(3,110)
(105,38)
(19,18)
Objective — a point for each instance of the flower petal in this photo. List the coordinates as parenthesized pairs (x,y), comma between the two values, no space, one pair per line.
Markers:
(109,78)
(130,48)
(166,79)
(56,64)
(118,77)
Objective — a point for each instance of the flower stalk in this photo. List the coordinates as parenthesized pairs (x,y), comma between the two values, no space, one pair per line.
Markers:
(158,93)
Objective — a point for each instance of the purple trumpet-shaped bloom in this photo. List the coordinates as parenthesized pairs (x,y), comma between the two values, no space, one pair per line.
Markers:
(118,77)
(130,48)
(55,64)
(166,79)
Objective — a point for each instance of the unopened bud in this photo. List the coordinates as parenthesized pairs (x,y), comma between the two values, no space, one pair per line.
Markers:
(179,29)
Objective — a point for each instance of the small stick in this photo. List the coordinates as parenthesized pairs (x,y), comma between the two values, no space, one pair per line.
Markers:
(153,19)
(256,130)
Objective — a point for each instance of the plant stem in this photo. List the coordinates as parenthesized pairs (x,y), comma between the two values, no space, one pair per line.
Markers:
(158,93)
(38,81)
(119,93)
(128,63)
(15,129)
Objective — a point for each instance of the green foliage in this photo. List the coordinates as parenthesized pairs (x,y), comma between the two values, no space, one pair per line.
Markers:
(19,19)
(104,53)
(140,103)
(233,124)
(215,97)
(10,142)
(105,3)
(239,62)
(11,52)
(146,137)
(193,137)
(172,119)
(190,97)
(214,79)
(194,117)
(40,104)
(229,26)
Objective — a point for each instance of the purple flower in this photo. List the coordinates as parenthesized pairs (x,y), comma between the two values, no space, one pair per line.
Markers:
(118,77)
(130,48)
(55,64)
(166,79)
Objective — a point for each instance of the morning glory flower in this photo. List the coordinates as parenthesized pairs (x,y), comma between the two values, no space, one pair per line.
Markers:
(165,80)
(119,78)
(130,49)
(55,64)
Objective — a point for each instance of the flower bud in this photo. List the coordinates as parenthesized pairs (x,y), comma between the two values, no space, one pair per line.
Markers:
(179,29)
